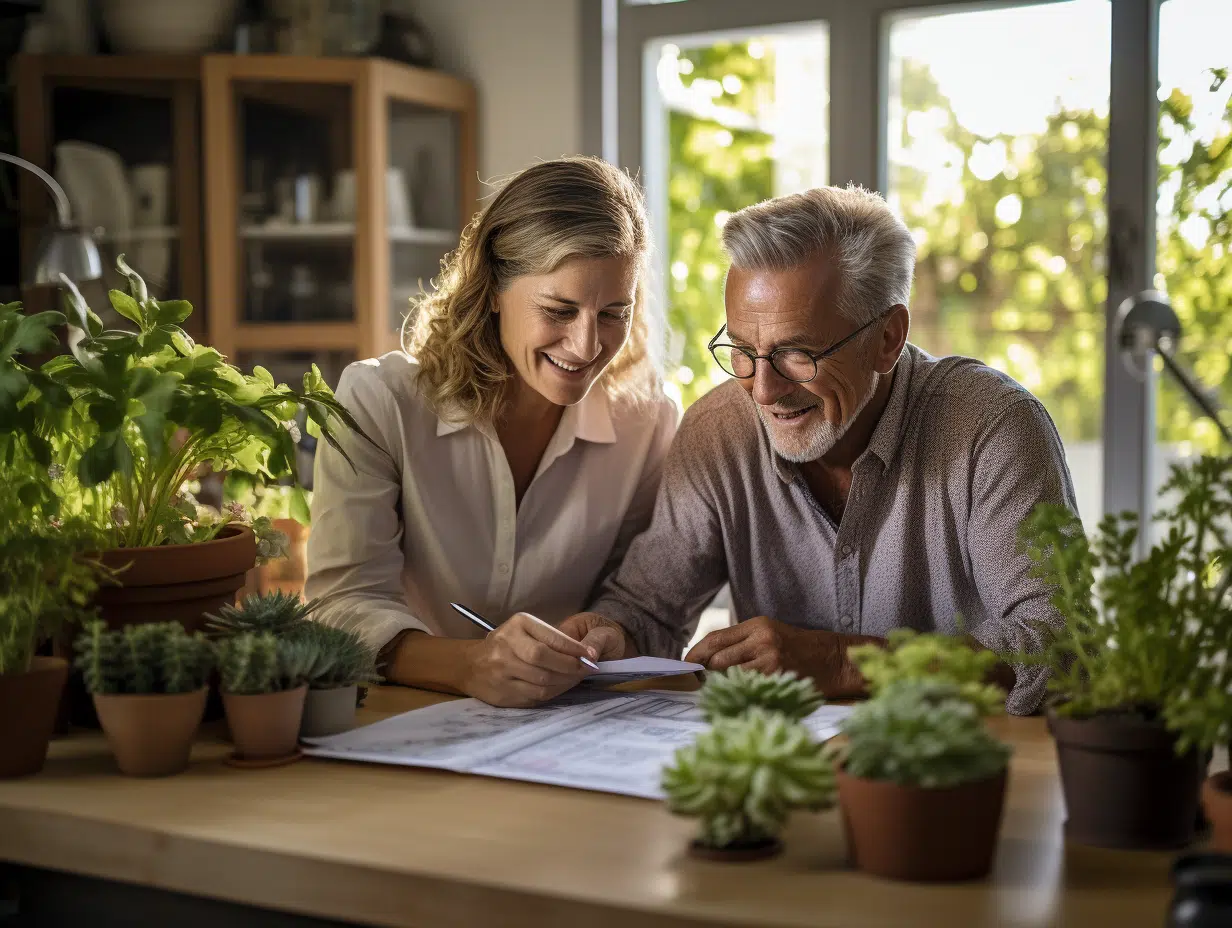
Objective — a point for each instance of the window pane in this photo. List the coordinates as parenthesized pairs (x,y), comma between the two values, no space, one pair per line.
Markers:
(1194,226)
(733,122)
(998,167)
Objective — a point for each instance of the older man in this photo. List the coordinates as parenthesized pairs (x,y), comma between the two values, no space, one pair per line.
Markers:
(846,483)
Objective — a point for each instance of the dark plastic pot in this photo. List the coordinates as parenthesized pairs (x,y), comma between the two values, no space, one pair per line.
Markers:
(1203,896)
(28,702)
(1125,786)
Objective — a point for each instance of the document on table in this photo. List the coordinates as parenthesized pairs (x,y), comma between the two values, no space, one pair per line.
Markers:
(638,668)
(586,739)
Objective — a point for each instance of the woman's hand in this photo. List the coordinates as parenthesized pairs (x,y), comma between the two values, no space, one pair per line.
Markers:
(523,663)
(607,638)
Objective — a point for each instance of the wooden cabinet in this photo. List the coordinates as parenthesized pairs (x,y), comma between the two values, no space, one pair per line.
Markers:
(310,197)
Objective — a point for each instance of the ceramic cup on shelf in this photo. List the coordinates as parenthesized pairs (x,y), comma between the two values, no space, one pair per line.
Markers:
(397,200)
(342,199)
(151,191)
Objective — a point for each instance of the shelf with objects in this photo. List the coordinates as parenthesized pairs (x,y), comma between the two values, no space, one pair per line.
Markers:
(336,186)
(122,136)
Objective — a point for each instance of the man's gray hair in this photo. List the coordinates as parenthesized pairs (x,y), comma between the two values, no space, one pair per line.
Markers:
(872,247)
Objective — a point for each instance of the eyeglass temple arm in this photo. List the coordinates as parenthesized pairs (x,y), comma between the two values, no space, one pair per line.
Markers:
(63,212)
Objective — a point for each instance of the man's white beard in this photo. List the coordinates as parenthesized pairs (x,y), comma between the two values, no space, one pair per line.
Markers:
(817,440)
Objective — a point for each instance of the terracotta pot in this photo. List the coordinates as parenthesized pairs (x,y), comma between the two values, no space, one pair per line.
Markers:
(1125,786)
(327,712)
(177,583)
(266,725)
(163,583)
(914,833)
(738,853)
(28,703)
(151,735)
(1217,800)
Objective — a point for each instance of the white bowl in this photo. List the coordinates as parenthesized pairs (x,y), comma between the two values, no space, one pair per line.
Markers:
(166,25)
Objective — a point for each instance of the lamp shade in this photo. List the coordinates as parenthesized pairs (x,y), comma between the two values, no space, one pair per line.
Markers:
(66,251)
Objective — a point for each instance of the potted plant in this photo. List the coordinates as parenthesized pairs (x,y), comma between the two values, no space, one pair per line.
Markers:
(125,423)
(45,586)
(742,777)
(288,508)
(921,782)
(1138,662)
(344,662)
(263,688)
(733,692)
(278,613)
(148,683)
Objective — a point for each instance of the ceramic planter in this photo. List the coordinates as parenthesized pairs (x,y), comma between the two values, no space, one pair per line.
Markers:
(28,704)
(1217,800)
(151,735)
(1125,786)
(927,835)
(265,727)
(327,712)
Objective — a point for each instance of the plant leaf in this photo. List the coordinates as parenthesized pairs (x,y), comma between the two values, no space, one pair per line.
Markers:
(126,306)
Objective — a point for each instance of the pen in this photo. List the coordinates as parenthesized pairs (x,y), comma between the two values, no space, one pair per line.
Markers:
(485,624)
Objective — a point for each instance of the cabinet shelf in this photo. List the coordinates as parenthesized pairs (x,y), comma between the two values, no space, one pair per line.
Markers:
(341,231)
(148,234)
(296,336)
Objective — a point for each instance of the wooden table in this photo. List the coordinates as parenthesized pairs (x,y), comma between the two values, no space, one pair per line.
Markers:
(397,846)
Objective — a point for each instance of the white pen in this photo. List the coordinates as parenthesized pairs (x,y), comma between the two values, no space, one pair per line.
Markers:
(485,624)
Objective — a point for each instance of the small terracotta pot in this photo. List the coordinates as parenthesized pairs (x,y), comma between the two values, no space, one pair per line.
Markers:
(737,853)
(928,835)
(1125,786)
(151,735)
(327,712)
(265,726)
(28,704)
(1217,800)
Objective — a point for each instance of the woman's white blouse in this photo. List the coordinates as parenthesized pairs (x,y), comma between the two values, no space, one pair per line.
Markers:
(428,515)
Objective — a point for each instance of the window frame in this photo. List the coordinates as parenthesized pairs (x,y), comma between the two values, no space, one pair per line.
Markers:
(615,38)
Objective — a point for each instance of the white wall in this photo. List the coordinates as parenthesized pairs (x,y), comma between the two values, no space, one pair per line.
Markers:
(525,61)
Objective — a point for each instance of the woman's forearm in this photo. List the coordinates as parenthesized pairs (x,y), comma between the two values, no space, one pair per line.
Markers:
(431,663)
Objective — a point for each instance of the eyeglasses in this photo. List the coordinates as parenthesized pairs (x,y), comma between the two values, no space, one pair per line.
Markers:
(794,364)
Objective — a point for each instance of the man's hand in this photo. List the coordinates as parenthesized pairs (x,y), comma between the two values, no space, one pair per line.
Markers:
(771,646)
(609,639)
(523,664)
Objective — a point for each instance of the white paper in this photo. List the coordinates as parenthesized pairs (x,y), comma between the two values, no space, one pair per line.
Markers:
(639,668)
(587,739)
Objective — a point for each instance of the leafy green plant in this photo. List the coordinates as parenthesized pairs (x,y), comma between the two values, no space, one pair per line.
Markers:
(1147,637)
(343,658)
(253,663)
(744,775)
(736,690)
(920,732)
(46,582)
(158,657)
(277,612)
(127,419)
(909,655)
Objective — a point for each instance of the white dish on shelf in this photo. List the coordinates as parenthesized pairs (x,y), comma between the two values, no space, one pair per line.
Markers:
(97,186)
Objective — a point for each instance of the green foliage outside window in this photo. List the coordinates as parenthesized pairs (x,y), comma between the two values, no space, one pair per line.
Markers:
(1013,271)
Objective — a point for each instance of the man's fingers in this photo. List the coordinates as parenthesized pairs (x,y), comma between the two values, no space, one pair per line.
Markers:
(742,652)
(716,641)
(606,643)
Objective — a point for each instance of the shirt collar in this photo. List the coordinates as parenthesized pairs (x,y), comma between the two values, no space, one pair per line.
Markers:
(887,437)
(590,420)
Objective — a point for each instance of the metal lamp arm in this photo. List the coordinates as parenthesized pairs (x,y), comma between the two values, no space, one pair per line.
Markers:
(63,212)
(1199,396)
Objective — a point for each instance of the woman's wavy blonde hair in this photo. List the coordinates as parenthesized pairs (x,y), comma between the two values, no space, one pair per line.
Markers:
(547,214)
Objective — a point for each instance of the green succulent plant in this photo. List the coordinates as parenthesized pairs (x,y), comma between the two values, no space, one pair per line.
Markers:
(743,776)
(342,657)
(736,690)
(909,655)
(920,732)
(278,613)
(143,659)
(251,663)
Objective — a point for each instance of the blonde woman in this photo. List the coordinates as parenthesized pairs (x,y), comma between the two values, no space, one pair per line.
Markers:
(517,445)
